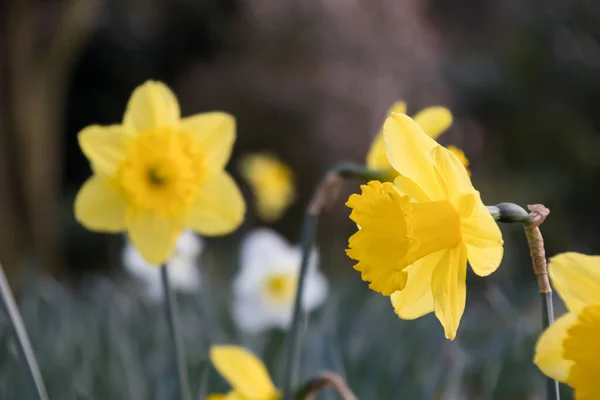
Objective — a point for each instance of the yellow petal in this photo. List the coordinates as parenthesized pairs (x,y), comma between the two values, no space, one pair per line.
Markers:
(549,349)
(154,236)
(151,105)
(409,151)
(216,397)
(272,184)
(100,206)
(214,133)
(576,278)
(453,173)
(104,146)
(482,235)
(461,157)
(243,370)
(434,120)
(219,208)
(583,347)
(409,188)
(398,107)
(377,158)
(449,289)
(416,299)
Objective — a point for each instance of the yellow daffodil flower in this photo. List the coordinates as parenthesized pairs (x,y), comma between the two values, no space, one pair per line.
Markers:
(416,235)
(156,174)
(433,120)
(272,183)
(569,350)
(246,374)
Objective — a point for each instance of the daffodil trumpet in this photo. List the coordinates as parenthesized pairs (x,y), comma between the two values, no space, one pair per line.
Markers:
(24,349)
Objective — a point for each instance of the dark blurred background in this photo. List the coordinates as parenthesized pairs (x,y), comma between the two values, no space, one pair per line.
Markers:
(310,80)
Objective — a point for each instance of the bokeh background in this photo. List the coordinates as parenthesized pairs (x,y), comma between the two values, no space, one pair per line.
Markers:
(311,81)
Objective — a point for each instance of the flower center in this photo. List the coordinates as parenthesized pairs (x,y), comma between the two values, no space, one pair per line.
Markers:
(280,287)
(582,346)
(162,171)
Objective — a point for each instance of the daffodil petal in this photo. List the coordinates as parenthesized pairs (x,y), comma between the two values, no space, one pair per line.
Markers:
(409,188)
(214,133)
(398,107)
(549,352)
(450,290)
(217,397)
(154,236)
(152,105)
(104,146)
(377,158)
(243,370)
(219,208)
(453,173)
(409,152)
(416,299)
(100,206)
(576,278)
(434,120)
(485,247)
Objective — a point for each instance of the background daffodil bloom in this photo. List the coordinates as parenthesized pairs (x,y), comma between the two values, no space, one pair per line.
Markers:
(416,234)
(433,120)
(246,374)
(272,183)
(157,174)
(264,289)
(569,350)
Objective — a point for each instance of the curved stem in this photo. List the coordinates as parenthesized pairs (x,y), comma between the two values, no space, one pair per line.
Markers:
(21,338)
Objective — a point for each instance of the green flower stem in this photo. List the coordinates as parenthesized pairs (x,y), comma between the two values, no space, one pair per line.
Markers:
(21,338)
(175,336)
(325,194)
(508,212)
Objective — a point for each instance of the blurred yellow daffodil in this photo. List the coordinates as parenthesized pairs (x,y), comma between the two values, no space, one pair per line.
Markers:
(246,374)
(433,120)
(272,183)
(569,350)
(157,173)
(416,235)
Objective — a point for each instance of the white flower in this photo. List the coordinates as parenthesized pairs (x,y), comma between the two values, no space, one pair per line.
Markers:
(183,269)
(265,287)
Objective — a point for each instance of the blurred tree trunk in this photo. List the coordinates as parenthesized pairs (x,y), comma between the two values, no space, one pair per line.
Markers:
(37,68)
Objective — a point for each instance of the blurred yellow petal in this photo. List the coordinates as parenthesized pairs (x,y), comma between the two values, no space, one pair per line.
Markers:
(460,155)
(549,349)
(485,247)
(100,206)
(104,146)
(152,105)
(272,183)
(449,289)
(216,397)
(576,278)
(219,208)
(409,151)
(214,133)
(583,347)
(377,158)
(154,236)
(416,299)
(244,371)
(434,120)
(398,107)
